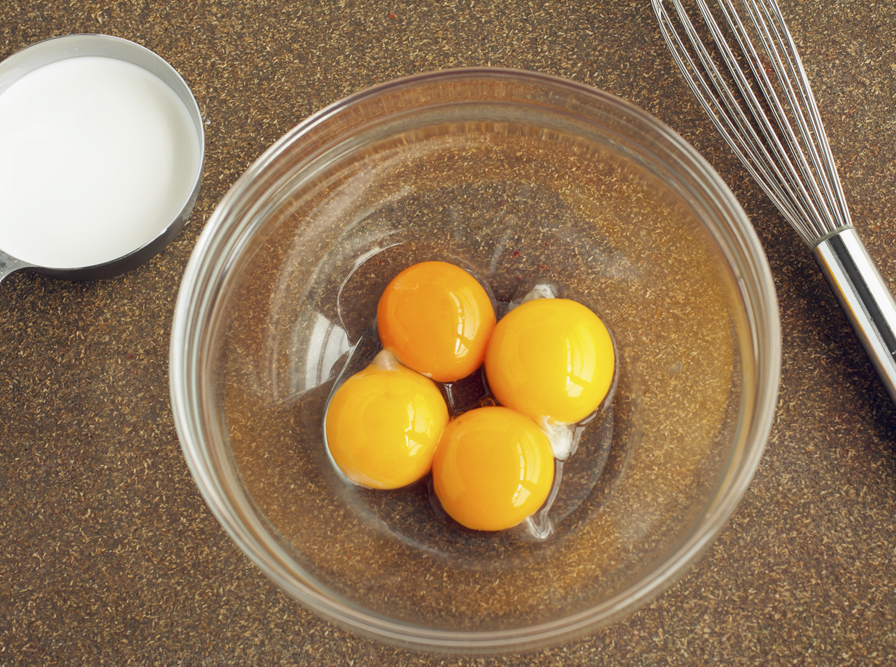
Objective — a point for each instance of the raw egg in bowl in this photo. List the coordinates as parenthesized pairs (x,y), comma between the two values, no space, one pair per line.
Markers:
(528,186)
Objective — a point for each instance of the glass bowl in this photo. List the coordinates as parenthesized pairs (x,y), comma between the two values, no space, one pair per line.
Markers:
(520,178)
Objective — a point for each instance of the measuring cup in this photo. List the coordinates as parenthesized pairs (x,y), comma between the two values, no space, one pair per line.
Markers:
(101,154)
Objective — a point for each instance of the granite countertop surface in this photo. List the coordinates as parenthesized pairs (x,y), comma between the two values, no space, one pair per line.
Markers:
(108,554)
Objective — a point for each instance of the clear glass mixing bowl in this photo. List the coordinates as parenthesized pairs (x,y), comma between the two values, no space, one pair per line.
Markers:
(518,177)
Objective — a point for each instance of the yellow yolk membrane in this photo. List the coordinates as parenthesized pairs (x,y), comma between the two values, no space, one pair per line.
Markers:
(437,319)
(493,468)
(384,423)
(552,360)
(549,362)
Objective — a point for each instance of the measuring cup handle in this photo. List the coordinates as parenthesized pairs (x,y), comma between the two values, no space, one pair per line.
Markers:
(9,264)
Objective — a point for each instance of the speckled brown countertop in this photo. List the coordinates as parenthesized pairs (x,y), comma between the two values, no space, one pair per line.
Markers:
(108,555)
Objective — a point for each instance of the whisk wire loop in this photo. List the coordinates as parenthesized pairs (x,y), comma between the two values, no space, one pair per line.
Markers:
(715,95)
(825,191)
(778,171)
(769,93)
(768,115)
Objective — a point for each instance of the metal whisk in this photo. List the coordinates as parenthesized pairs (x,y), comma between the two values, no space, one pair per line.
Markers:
(744,68)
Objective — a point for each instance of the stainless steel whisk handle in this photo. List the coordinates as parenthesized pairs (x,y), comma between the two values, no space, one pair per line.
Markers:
(864,297)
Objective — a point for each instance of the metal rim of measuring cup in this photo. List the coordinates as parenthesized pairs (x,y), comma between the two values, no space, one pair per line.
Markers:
(55,49)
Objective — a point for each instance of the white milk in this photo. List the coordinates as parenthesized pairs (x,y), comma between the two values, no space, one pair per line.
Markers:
(97,157)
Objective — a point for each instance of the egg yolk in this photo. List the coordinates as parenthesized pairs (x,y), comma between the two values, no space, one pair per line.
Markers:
(437,319)
(551,359)
(384,423)
(493,468)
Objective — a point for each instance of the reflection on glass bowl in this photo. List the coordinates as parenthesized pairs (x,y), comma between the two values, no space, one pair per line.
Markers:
(518,177)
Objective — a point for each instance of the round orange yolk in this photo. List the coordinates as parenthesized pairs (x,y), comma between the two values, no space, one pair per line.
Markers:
(384,423)
(551,359)
(493,468)
(437,319)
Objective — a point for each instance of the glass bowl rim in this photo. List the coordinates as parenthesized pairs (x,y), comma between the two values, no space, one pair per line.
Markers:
(203,273)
